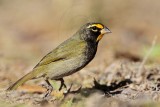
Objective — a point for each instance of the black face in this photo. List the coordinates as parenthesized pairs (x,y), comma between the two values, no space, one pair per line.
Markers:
(95,31)
(91,31)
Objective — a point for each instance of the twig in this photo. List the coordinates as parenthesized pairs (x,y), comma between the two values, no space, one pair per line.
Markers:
(147,56)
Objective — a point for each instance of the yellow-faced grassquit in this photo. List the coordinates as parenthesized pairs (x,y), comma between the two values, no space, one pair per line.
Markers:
(68,58)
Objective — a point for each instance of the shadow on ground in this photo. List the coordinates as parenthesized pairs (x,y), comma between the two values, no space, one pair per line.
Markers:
(107,90)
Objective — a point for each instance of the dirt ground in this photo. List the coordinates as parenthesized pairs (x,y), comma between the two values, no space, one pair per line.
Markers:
(124,73)
(119,85)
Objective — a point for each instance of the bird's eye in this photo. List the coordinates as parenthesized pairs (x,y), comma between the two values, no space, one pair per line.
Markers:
(94,29)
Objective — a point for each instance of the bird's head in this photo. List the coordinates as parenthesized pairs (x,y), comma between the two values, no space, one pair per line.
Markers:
(93,32)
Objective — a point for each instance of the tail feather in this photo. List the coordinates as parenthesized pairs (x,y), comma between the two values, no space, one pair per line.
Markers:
(21,81)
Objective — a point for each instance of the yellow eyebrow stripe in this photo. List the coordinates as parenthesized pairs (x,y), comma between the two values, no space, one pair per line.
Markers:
(97,25)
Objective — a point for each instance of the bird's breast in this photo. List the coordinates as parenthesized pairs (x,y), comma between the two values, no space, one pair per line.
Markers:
(78,59)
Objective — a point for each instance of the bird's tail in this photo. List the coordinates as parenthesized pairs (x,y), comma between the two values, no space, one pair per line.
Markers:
(25,78)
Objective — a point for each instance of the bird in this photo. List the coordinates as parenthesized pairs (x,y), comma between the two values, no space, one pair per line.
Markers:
(69,57)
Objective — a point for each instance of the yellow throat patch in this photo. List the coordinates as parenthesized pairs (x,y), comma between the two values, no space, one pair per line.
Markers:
(99,37)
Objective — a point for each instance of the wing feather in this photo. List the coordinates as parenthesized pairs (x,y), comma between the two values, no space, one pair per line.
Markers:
(62,52)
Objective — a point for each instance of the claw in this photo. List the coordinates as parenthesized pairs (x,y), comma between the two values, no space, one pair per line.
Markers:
(79,89)
(49,89)
(69,90)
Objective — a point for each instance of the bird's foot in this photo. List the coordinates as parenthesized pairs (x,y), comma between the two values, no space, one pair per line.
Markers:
(48,92)
(49,89)
(69,90)
(62,84)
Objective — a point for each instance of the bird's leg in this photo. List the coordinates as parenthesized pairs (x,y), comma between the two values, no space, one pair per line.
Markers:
(62,84)
(49,88)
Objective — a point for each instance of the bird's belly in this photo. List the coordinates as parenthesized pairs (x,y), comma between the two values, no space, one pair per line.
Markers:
(66,67)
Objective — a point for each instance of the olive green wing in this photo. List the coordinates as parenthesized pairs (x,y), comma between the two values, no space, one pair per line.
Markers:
(53,56)
(62,52)
(50,57)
